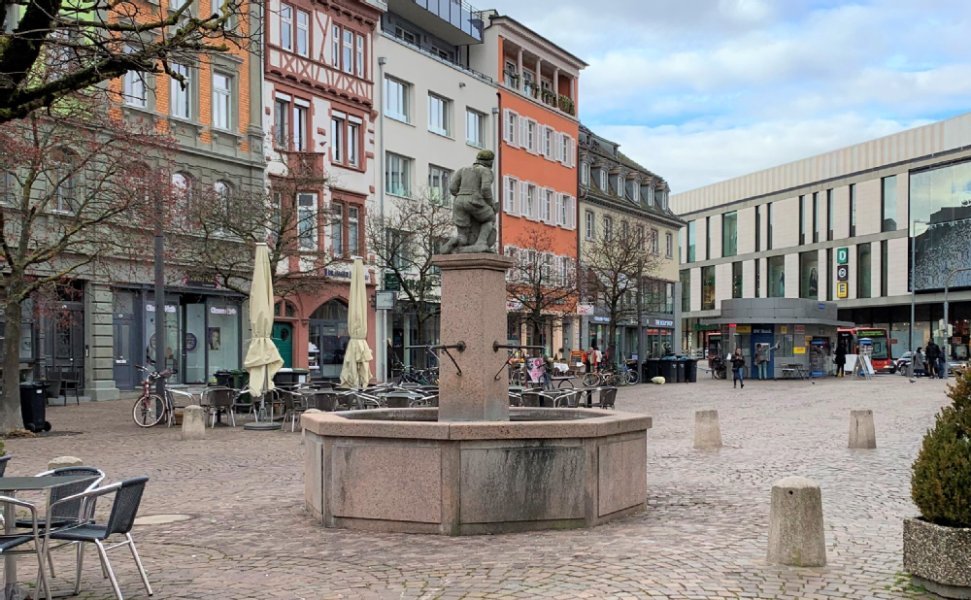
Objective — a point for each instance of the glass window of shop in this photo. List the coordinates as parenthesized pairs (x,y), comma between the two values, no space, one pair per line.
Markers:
(172,349)
(730,234)
(809,275)
(201,336)
(736,280)
(26,331)
(777,277)
(708,288)
(863,271)
(692,238)
(941,197)
(888,206)
(328,332)
(222,336)
(685,277)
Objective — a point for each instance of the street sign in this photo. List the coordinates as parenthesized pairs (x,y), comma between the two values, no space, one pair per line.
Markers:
(842,256)
(842,273)
(391,282)
(842,289)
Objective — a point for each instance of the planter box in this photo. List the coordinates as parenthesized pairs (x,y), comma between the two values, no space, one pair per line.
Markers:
(938,558)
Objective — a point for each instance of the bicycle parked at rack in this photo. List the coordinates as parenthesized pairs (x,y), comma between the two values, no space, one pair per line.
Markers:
(151,409)
(409,374)
(611,376)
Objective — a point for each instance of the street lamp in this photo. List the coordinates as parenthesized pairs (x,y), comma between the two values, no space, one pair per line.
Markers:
(947,338)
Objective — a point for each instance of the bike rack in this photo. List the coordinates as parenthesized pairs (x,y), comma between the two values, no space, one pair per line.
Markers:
(496,346)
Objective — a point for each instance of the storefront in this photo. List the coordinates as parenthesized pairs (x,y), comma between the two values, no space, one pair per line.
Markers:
(202,334)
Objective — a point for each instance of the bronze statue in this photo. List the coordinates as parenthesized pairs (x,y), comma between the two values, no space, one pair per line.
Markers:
(473,210)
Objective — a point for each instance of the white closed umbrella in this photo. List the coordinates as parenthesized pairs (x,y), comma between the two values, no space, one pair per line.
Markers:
(356,371)
(262,357)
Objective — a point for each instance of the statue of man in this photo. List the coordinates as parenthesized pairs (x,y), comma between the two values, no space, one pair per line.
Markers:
(473,211)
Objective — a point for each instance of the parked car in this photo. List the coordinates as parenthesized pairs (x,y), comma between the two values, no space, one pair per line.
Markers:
(903,363)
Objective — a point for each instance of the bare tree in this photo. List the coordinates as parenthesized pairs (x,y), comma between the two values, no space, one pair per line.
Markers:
(72,200)
(216,242)
(544,285)
(51,49)
(403,243)
(614,266)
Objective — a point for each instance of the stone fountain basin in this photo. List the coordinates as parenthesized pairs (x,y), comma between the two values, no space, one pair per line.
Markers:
(401,470)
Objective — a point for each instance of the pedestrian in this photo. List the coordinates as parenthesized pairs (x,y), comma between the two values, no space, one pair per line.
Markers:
(840,359)
(931,357)
(738,364)
(595,358)
(941,363)
(918,362)
(761,360)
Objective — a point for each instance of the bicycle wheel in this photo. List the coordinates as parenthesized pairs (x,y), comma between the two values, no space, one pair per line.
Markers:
(632,377)
(148,410)
(591,380)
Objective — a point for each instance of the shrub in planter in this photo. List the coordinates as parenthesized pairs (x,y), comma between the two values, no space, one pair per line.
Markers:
(937,547)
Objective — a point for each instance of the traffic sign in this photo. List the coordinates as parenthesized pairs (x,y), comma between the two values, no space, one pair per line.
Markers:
(842,256)
(843,273)
(842,289)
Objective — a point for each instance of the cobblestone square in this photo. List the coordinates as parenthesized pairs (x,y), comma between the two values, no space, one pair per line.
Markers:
(703,535)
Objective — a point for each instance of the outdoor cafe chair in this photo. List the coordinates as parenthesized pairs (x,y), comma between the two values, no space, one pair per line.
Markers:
(10,541)
(216,399)
(608,396)
(294,404)
(124,507)
(3,463)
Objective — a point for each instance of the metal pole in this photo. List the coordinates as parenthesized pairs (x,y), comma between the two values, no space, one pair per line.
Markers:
(947,338)
(381,343)
(159,294)
(913,298)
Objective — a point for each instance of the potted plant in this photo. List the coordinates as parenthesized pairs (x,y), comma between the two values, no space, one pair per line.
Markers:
(937,545)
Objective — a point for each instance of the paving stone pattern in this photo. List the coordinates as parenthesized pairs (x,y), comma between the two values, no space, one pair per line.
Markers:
(703,536)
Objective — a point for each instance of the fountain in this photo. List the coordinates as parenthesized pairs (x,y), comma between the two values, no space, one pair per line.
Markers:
(473,465)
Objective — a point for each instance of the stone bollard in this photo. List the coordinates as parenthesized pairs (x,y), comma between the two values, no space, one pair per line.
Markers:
(796,524)
(64,461)
(708,434)
(862,433)
(193,423)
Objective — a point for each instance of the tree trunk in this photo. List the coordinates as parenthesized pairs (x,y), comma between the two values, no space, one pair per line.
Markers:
(10,405)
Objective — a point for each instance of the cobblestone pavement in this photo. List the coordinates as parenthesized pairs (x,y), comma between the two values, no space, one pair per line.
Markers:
(703,535)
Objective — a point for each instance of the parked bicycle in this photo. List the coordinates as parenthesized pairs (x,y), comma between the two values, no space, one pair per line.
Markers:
(150,409)
(611,376)
(409,374)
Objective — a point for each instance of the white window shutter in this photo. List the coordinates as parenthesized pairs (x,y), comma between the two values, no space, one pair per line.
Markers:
(558,207)
(571,159)
(506,117)
(513,196)
(523,206)
(506,200)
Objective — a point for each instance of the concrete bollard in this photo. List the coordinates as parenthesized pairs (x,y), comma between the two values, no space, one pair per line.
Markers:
(64,461)
(193,423)
(796,535)
(708,434)
(862,433)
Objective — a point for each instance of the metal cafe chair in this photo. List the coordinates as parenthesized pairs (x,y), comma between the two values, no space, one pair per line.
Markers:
(127,497)
(3,463)
(216,399)
(10,541)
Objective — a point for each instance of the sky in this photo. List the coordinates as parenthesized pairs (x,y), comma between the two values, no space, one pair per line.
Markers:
(699,91)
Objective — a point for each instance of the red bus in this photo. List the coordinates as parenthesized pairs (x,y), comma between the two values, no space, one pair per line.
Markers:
(881,357)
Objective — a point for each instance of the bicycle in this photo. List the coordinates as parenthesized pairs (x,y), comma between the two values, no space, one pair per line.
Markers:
(150,409)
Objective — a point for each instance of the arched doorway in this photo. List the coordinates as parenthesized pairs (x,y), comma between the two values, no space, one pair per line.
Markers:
(328,338)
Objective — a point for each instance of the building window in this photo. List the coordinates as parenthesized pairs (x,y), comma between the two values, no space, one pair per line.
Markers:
(829,267)
(776,266)
(685,277)
(863,271)
(708,288)
(852,209)
(668,245)
(335,46)
(608,228)
(438,114)
(510,128)
(641,238)
(768,225)
(135,89)
(307,221)
(290,122)
(603,180)
(548,142)
(397,175)
(281,122)
(438,179)
(345,139)
(590,226)
(530,208)
(359,62)
(758,228)
(736,280)
(692,235)
(884,267)
(730,233)
(809,275)
(8,188)
(300,127)
(888,219)
(180,93)
(222,100)
(802,220)
(399,242)
(67,182)
(815,217)
(546,206)
(707,238)
(303,33)
(829,215)
(396,99)
(584,173)
(353,230)
(758,278)
(354,128)
(654,242)
(338,123)
(509,195)
(474,128)
(182,190)
(286,27)
(337,230)
(347,57)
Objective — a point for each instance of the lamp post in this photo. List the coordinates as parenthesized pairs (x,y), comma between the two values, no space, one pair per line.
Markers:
(947,338)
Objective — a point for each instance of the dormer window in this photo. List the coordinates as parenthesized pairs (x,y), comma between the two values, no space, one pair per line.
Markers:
(603,180)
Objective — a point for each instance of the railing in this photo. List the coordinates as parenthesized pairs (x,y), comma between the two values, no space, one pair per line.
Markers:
(444,61)
(457,13)
(305,164)
(561,102)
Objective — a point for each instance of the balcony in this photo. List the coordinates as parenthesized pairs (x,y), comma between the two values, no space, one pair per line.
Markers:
(560,102)
(543,80)
(454,21)
(305,166)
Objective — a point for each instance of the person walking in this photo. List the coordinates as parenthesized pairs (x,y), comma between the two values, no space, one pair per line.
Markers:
(931,355)
(738,365)
(918,361)
(840,359)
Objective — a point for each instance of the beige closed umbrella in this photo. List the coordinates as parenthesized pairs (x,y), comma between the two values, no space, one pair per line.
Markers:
(262,357)
(356,371)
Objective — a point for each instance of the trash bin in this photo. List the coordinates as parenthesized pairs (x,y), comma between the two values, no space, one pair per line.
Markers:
(223,378)
(679,370)
(691,370)
(240,379)
(652,368)
(33,406)
(287,377)
(669,370)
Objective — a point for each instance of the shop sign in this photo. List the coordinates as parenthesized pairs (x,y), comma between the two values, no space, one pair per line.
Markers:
(662,323)
(384,300)
(743,329)
(799,350)
(701,327)
(799,329)
(783,329)
(222,310)
(842,255)
(600,319)
(169,308)
(842,289)
(513,305)
(344,273)
(585,309)
(761,330)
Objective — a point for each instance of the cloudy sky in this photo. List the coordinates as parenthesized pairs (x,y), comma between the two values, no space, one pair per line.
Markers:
(700,91)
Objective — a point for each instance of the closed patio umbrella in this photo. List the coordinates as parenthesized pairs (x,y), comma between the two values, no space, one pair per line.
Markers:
(262,357)
(356,371)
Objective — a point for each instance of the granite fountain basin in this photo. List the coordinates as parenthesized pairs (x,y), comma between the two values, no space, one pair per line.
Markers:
(403,470)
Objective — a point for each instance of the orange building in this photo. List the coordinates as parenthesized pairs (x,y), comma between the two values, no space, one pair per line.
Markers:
(537,166)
